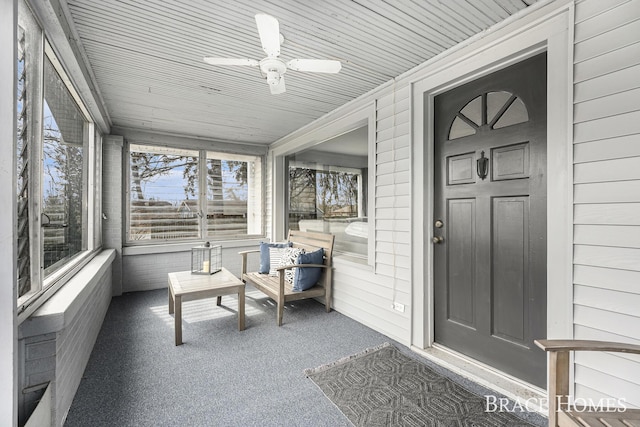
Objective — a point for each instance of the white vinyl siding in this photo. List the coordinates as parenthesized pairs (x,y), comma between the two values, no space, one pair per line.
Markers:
(365,295)
(393,191)
(367,298)
(607,195)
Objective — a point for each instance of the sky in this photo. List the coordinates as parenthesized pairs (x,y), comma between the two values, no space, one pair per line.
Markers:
(170,187)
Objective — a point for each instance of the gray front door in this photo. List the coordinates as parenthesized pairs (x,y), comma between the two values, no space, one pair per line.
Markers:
(490,221)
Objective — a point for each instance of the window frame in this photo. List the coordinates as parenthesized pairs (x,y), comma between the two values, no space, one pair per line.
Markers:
(43,285)
(257,193)
(88,160)
(127,193)
(323,167)
(346,122)
(202,193)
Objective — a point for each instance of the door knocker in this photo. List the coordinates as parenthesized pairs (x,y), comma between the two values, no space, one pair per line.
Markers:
(482,166)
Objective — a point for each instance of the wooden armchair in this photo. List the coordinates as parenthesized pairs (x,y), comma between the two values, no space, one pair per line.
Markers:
(560,413)
(281,291)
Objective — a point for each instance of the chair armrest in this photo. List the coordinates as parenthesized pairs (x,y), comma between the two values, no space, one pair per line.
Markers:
(558,369)
(587,345)
(289,267)
(249,251)
(244,260)
(312,266)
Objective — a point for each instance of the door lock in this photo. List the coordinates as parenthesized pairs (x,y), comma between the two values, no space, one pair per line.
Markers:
(437,239)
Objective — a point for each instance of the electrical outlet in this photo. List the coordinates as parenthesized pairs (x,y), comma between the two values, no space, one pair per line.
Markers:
(399,307)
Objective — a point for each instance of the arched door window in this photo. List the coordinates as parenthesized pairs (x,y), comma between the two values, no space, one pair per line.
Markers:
(494,110)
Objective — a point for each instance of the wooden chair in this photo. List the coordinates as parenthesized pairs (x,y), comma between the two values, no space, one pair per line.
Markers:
(282,291)
(560,413)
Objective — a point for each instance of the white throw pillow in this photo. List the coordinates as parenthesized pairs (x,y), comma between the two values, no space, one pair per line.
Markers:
(290,257)
(275,255)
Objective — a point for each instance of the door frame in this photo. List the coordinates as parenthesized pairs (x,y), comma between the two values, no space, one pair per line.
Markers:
(549,27)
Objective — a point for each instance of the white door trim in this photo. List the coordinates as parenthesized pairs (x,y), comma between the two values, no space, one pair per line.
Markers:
(548,28)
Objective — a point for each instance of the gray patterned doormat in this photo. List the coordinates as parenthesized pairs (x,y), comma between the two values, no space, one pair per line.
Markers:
(383,387)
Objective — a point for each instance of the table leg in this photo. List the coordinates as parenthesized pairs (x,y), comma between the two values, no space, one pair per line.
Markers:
(178,319)
(219,301)
(170,300)
(241,309)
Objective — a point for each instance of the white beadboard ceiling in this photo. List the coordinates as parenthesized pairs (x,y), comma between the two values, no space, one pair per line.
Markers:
(146,57)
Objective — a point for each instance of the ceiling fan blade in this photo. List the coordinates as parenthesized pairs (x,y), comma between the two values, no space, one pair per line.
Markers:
(315,65)
(230,61)
(279,88)
(269,30)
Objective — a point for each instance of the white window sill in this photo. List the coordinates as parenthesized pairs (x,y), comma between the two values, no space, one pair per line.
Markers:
(62,307)
(186,246)
(358,262)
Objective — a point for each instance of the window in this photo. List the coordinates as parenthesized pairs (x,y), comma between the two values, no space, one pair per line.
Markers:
(492,109)
(172,197)
(328,186)
(234,195)
(164,193)
(64,213)
(56,161)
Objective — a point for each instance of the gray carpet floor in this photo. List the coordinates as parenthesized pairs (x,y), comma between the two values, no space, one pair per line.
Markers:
(220,376)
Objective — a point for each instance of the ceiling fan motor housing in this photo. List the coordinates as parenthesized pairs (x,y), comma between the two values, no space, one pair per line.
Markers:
(273,68)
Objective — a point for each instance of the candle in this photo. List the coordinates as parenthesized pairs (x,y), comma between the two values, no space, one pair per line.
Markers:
(205,266)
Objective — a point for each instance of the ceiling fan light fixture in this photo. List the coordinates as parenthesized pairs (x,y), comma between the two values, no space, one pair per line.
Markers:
(273,77)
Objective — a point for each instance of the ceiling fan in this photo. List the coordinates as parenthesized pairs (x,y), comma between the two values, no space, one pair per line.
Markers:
(272,67)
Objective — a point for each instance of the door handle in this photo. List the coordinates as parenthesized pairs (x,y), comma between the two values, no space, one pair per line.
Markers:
(437,239)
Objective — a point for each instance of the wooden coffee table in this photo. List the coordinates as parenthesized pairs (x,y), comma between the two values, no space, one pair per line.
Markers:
(184,286)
